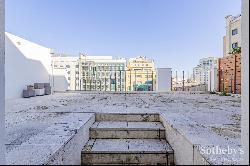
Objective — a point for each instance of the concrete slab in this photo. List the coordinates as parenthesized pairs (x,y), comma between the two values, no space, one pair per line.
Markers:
(109,125)
(128,146)
(127,151)
(107,145)
(145,125)
(149,146)
(27,154)
(58,141)
(127,159)
(184,151)
(127,117)
(200,119)
(128,125)
(130,130)
(129,134)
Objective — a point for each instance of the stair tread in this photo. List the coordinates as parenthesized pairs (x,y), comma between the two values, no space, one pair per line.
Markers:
(128,117)
(127,146)
(128,125)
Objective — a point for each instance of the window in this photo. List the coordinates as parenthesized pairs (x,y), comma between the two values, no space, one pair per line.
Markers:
(235,45)
(234,32)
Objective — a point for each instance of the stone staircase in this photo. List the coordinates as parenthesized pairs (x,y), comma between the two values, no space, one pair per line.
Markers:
(127,139)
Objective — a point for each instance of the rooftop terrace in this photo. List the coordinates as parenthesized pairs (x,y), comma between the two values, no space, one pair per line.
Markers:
(38,128)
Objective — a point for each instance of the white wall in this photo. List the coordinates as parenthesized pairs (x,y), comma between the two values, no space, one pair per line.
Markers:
(2,75)
(163,80)
(61,63)
(245,79)
(60,82)
(26,63)
(213,80)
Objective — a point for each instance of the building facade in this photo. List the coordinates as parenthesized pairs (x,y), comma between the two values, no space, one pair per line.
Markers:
(229,71)
(67,66)
(232,40)
(202,73)
(89,73)
(101,73)
(229,74)
(140,74)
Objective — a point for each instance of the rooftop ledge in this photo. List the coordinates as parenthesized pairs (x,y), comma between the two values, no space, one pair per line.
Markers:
(53,129)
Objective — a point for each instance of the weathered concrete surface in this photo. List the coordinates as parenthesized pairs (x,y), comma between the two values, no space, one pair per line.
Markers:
(133,140)
(71,152)
(245,79)
(202,119)
(185,152)
(127,151)
(2,80)
(47,138)
(132,130)
(131,117)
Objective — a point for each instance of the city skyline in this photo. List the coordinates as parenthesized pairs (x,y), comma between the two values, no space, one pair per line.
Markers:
(155,29)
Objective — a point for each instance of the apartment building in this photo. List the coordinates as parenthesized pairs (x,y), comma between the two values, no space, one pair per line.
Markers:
(203,72)
(89,73)
(229,71)
(101,73)
(232,40)
(67,66)
(140,74)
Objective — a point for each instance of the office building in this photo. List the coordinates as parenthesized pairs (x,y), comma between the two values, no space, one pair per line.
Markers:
(101,73)
(202,73)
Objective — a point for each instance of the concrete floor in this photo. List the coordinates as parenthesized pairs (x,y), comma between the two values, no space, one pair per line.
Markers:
(204,119)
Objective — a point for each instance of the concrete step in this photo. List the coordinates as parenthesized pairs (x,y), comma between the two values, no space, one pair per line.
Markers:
(127,151)
(130,130)
(127,117)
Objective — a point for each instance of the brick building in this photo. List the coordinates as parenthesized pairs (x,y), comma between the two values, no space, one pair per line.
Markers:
(229,74)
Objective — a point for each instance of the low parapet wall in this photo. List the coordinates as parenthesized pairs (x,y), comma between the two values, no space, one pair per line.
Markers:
(185,152)
(69,153)
(56,141)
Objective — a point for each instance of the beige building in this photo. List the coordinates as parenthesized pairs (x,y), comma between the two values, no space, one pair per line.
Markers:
(140,74)
(233,34)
